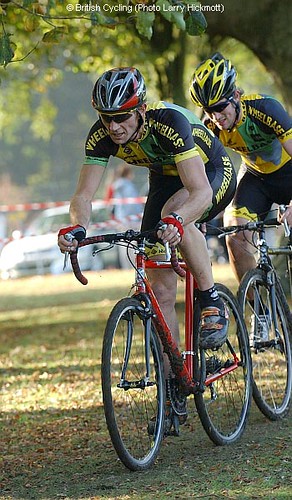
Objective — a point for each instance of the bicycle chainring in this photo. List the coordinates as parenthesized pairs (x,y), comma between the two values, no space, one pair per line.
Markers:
(177,399)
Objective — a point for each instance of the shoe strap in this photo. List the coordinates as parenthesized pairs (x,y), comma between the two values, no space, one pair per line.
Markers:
(214,311)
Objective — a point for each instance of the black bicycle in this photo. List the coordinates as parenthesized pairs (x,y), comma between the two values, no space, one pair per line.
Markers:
(268,319)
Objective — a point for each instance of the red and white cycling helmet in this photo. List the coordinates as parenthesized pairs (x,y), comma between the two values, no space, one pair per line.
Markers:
(119,90)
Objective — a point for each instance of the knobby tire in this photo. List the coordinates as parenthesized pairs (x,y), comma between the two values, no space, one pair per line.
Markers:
(129,411)
(271,360)
(224,405)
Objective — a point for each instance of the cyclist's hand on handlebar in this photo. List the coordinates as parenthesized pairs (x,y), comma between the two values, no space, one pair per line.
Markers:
(69,237)
(285,213)
(170,230)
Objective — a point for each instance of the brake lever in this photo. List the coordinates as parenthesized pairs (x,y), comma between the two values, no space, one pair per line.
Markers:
(282,210)
(68,237)
(167,251)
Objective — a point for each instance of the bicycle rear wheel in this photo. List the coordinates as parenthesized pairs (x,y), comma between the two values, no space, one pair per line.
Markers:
(131,400)
(270,346)
(224,405)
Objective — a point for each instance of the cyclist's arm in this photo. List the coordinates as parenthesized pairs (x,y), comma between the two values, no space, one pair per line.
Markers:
(288,146)
(193,176)
(287,215)
(80,206)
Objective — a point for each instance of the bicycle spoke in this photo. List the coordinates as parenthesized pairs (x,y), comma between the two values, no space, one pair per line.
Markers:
(223,407)
(269,343)
(132,401)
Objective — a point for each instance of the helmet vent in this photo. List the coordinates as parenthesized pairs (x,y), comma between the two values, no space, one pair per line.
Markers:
(119,89)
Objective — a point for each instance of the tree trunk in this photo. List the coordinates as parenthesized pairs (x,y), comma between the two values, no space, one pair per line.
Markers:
(170,70)
(265,26)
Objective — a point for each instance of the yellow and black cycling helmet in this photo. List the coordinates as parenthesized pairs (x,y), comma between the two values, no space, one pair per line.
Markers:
(212,80)
(119,90)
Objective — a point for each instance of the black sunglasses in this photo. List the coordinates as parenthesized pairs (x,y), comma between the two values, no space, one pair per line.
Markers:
(118,118)
(217,108)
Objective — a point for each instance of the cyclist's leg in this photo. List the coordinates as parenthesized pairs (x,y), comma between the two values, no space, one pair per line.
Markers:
(167,194)
(195,252)
(198,261)
(253,199)
(163,281)
(164,285)
(214,318)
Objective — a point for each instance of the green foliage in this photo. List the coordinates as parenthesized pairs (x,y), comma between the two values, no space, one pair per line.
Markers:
(80,20)
(178,19)
(195,23)
(56,35)
(6,50)
(144,23)
(43,123)
(164,7)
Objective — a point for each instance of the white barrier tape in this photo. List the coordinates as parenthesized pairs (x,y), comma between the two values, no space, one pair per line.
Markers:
(26,207)
(115,223)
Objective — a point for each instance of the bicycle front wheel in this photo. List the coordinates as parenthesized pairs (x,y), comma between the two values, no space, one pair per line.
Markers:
(133,399)
(224,405)
(270,343)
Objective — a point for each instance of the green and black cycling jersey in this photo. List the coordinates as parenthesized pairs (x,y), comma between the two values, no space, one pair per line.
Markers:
(259,136)
(171,134)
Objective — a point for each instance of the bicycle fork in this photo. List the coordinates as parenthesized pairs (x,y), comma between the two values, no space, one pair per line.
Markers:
(271,284)
(125,384)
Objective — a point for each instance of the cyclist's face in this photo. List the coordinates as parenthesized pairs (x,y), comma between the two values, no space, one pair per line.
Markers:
(123,131)
(223,118)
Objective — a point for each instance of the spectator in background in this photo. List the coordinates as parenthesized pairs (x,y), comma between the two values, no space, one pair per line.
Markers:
(124,187)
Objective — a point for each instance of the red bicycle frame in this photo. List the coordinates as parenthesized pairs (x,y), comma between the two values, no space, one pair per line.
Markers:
(182,363)
(183,366)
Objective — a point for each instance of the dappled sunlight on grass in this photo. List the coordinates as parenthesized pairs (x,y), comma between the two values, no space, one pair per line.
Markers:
(64,289)
(54,440)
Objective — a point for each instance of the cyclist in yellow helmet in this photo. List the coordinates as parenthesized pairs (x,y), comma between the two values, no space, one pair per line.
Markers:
(259,129)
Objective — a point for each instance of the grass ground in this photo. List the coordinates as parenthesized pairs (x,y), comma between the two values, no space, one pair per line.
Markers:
(53,439)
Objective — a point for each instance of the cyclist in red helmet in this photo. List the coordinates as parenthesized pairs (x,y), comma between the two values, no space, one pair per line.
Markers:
(191,179)
(259,129)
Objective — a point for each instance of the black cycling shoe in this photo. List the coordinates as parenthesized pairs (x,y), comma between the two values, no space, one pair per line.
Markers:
(214,326)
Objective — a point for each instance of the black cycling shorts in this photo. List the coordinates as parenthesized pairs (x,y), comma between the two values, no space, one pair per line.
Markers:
(222,179)
(257,192)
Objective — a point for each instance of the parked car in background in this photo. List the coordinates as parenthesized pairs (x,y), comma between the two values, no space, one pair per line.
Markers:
(36,251)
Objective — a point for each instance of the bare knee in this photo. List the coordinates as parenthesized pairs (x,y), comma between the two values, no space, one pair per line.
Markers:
(238,245)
